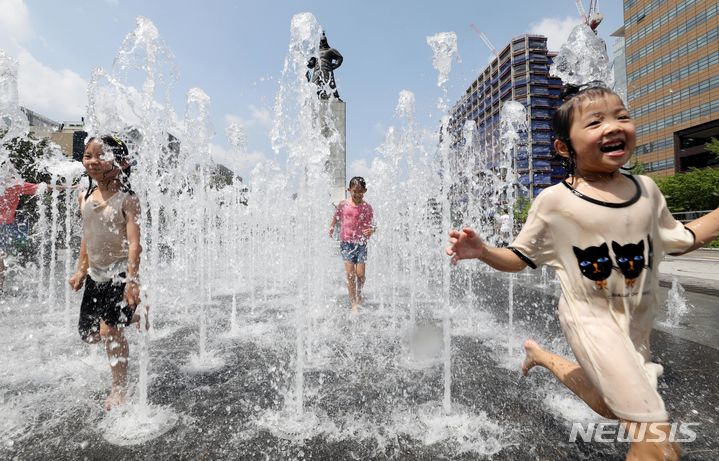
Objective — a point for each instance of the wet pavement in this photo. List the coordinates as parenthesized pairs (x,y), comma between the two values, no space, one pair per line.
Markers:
(367,393)
(368,406)
(698,274)
(697,271)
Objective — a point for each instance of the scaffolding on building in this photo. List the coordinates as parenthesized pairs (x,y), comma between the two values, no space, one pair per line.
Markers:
(520,72)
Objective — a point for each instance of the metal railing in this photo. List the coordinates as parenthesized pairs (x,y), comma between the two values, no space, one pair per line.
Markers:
(688,216)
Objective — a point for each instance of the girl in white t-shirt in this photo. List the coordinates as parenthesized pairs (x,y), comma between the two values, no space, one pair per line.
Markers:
(110,250)
(604,233)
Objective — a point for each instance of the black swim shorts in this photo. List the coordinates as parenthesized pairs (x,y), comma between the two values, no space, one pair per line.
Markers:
(103,301)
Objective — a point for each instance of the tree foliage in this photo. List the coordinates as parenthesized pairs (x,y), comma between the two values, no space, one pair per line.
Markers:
(521,209)
(713,147)
(695,190)
(25,155)
(638,168)
(221,176)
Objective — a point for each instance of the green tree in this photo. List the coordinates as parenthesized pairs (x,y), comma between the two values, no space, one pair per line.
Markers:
(521,209)
(26,155)
(221,176)
(638,168)
(713,147)
(695,190)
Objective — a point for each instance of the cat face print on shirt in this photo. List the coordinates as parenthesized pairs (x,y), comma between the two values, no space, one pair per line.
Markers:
(595,263)
(630,259)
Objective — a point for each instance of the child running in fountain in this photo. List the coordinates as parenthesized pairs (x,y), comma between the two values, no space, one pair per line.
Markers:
(604,232)
(11,188)
(356,227)
(109,256)
(9,200)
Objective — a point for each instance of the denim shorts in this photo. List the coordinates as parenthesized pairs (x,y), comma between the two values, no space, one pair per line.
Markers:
(6,238)
(355,253)
(10,234)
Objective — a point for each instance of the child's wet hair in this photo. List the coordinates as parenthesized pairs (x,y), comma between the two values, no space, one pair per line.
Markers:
(357,181)
(120,154)
(114,144)
(573,96)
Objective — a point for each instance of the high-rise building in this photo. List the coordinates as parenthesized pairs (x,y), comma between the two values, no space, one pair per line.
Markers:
(520,72)
(619,64)
(672,59)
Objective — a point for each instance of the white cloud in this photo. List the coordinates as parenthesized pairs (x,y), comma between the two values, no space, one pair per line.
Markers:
(358,168)
(556,30)
(256,127)
(258,118)
(261,116)
(240,163)
(14,23)
(379,128)
(232,119)
(58,94)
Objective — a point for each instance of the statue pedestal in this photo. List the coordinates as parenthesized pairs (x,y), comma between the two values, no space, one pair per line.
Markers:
(337,163)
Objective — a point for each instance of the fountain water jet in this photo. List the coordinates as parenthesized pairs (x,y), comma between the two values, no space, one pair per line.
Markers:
(300,379)
(444,48)
(677,306)
(116,106)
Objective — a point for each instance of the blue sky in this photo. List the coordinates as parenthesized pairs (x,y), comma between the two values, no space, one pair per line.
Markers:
(234,51)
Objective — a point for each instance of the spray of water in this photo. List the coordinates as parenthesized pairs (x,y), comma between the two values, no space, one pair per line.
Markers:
(444,51)
(13,122)
(582,59)
(677,305)
(258,262)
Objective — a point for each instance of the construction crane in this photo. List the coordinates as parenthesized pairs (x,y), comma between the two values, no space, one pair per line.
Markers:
(592,17)
(485,40)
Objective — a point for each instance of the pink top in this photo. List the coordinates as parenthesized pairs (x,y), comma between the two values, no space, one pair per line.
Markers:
(354,219)
(10,199)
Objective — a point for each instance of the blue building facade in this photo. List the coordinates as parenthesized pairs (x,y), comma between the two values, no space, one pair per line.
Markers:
(520,72)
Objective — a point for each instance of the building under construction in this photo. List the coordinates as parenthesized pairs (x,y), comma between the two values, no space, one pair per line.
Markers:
(519,72)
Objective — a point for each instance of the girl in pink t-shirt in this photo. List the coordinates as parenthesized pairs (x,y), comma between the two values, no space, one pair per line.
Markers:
(356,226)
(9,200)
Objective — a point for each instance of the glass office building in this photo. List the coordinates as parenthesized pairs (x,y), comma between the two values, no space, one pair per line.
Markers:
(672,65)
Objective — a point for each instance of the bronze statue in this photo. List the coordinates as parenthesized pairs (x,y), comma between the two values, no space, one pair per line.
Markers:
(323,74)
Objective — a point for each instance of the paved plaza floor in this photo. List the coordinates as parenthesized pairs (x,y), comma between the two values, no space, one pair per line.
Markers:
(367,392)
(698,274)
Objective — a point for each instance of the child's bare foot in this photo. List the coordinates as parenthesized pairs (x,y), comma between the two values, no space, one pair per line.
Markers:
(93,338)
(532,349)
(354,308)
(115,398)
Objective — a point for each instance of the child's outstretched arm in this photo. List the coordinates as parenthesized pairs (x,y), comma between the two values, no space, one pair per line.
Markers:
(706,229)
(333,223)
(83,264)
(466,244)
(370,227)
(132,288)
